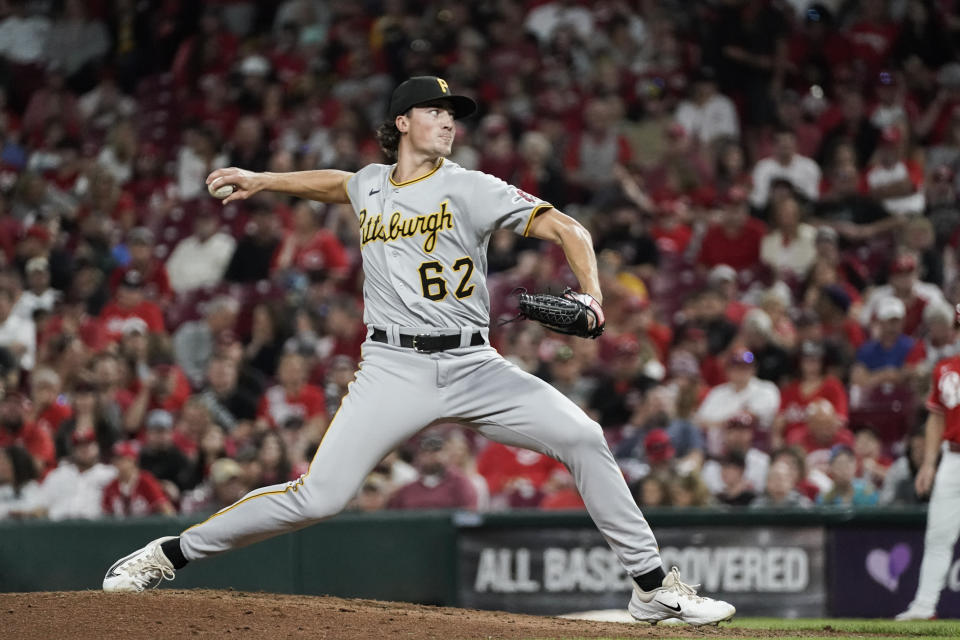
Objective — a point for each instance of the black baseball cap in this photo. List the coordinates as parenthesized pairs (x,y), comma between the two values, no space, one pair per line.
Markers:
(421,89)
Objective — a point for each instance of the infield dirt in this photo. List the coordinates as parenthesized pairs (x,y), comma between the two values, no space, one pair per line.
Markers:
(168,613)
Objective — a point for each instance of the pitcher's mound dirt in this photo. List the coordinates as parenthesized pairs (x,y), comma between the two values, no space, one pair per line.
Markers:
(167,614)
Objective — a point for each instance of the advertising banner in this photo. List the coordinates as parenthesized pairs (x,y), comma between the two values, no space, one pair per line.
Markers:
(773,571)
(875,573)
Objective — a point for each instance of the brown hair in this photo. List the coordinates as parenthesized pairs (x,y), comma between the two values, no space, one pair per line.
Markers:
(389,138)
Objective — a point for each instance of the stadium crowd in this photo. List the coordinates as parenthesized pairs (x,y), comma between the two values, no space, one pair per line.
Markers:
(771,186)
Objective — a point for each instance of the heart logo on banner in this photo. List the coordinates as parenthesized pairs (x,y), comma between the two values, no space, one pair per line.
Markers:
(886,567)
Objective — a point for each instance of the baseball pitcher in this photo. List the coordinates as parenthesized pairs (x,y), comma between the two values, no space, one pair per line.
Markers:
(424,226)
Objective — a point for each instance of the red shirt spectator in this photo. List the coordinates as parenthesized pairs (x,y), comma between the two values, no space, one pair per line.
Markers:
(16,429)
(143,497)
(73,320)
(151,187)
(794,402)
(35,439)
(736,240)
(186,444)
(820,434)
(440,486)
(309,248)
(671,236)
(171,388)
(130,303)
(288,61)
(134,492)
(50,417)
(278,405)
(501,465)
(213,109)
(563,499)
(660,335)
(156,282)
(804,438)
(832,307)
(320,251)
(872,37)
(739,248)
(818,453)
(293,398)
(564,495)
(634,319)
(451,491)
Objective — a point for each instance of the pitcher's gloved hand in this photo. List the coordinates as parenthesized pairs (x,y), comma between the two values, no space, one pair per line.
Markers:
(575,314)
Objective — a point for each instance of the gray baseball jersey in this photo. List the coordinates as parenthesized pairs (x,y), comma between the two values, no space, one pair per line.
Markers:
(424,243)
(424,256)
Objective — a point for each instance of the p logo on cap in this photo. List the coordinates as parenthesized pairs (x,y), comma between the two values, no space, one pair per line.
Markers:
(420,90)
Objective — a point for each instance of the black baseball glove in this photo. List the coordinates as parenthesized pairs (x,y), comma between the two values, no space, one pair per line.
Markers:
(575,314)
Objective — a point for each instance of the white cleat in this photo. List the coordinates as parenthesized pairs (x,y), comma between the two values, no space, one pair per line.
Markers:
(677,602)
(916,613)
(143,569)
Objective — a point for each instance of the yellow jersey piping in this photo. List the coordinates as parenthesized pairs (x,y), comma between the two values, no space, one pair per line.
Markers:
(533,214)
(423,177)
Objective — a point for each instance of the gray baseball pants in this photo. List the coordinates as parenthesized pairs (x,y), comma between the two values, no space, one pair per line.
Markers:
(396,393)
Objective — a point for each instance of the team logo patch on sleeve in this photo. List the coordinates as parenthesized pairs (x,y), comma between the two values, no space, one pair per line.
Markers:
(520,196)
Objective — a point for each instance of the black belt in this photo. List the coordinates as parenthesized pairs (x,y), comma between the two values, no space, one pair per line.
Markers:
(427,343)
(953,446)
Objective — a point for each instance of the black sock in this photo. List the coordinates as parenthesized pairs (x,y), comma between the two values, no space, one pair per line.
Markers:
(171,549)
(651,579)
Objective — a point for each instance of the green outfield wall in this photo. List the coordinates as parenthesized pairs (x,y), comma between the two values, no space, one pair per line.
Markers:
(788,563)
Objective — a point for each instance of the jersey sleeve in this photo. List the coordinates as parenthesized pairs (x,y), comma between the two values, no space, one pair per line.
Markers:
(361,180)
(496,204)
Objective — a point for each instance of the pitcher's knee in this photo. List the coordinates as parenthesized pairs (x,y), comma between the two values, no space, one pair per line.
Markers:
(584,436)
(324,502)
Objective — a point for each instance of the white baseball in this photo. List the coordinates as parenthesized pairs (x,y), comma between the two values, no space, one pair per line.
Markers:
(222,191)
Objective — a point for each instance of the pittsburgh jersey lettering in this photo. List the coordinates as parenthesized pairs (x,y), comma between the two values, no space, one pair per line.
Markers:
(428,237)
(372,228)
